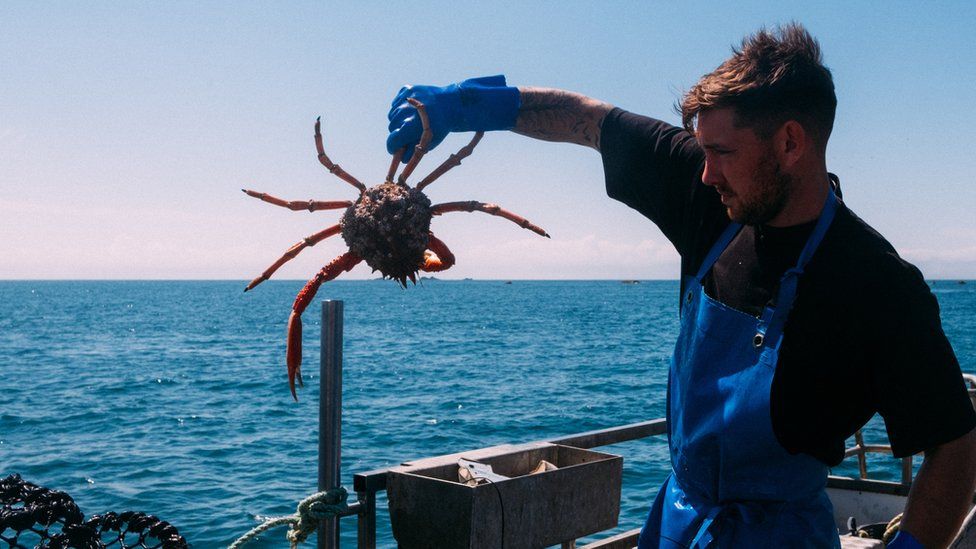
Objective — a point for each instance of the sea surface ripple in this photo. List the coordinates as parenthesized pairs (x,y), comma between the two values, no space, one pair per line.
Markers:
(171,397)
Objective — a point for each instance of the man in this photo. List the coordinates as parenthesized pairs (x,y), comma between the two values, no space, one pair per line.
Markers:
(798,320)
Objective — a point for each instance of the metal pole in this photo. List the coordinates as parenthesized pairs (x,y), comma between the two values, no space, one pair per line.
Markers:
(330,414)
(367,521)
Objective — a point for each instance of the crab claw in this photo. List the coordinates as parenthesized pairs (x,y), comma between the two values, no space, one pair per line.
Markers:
(438,257)
(293,352)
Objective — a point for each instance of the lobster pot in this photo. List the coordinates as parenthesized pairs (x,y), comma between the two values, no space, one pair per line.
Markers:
(429,507)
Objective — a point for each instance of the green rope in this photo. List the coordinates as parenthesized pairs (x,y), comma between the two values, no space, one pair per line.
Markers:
(316,507)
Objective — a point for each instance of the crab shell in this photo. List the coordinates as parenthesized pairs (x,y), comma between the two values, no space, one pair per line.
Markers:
(388,226)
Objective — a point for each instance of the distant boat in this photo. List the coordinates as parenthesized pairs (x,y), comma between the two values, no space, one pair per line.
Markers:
(630,281)
(962,282)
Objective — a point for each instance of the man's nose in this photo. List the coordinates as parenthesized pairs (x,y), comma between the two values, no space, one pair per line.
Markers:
(712,175)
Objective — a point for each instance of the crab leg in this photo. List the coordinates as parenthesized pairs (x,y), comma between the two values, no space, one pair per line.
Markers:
(421,148)
(395,164)
(438,257)
(493,209)
(297,205)
(334,168)
(293,352)
(453,161)
(293,251)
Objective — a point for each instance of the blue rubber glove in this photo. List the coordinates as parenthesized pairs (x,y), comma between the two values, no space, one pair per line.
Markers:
(904,540)
(476,104)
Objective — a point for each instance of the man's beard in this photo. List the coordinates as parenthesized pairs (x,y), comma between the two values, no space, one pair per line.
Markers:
(772,190)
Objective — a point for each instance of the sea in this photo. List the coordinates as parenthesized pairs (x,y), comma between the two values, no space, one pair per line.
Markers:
(171,397)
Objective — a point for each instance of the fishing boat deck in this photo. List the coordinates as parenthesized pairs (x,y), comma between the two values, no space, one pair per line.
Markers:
(869,501)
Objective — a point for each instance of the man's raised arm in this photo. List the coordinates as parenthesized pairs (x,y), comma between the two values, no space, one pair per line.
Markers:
(563,116)
(486,104)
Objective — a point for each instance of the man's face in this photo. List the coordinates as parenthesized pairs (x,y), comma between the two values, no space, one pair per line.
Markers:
(742,168)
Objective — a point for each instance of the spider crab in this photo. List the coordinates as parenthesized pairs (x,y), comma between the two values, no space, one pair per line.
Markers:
(388,227)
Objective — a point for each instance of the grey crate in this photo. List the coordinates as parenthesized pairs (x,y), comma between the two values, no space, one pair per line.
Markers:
(430,509)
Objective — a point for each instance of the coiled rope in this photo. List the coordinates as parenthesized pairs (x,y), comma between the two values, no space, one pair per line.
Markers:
(316,507)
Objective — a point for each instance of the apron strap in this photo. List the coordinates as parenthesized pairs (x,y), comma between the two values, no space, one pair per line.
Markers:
(773,319)
(717,249)
(689,286)
(705,536)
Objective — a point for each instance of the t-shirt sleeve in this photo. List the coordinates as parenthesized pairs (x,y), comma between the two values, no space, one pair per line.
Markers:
(655,168)
(917,380)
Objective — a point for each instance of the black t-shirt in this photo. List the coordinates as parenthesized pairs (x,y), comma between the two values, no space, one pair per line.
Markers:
(864,335)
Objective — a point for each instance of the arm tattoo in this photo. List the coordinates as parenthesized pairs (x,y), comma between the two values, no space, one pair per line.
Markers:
(563,116)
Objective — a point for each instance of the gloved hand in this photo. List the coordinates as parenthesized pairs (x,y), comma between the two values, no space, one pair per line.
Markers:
(904,540)
(476,104)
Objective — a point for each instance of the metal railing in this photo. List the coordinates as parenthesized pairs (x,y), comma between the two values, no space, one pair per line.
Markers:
(861,450)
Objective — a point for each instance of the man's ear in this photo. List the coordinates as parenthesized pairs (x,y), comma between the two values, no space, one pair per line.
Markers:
(791,142)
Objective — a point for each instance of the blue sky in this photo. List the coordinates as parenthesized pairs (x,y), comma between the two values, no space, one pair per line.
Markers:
(127,129)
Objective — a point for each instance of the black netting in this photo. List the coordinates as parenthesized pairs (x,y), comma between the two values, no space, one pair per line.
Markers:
(34,516)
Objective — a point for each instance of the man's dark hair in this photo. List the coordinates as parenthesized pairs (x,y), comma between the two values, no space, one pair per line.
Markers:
(774,77)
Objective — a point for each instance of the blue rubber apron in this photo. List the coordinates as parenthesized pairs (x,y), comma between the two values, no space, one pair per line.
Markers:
(732,484)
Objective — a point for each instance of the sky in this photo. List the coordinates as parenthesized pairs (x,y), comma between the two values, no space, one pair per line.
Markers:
(127,129)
